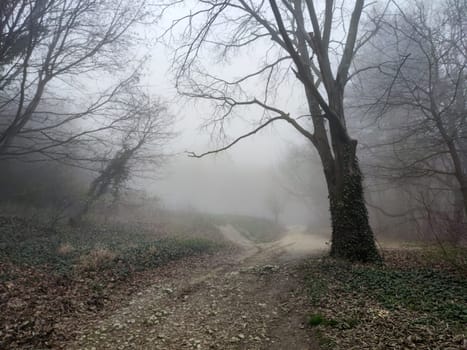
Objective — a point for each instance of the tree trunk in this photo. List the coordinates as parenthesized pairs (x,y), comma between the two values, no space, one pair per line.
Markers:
(352,236)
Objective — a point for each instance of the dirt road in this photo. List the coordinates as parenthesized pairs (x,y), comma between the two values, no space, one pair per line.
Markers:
(250,300)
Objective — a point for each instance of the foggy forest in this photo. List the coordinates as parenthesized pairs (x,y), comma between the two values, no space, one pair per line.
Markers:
(233,174)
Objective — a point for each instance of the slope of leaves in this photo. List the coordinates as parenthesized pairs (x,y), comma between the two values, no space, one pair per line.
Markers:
(403,304)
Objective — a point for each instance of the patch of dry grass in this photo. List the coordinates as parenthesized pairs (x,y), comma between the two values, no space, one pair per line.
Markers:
(96,259)
(65,249)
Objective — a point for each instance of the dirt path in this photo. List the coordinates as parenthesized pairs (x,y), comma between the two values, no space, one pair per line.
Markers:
(251,300)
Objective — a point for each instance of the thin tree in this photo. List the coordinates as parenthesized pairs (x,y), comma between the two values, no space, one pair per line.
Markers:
(141,142)
(275,206)
(303,44)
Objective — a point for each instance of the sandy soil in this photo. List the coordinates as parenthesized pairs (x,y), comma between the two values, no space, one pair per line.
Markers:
(249,300)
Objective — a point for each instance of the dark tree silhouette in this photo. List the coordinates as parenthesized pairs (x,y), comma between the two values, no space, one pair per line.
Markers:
(300,44)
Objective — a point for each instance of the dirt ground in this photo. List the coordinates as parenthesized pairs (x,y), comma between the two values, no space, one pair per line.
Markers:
(252,299)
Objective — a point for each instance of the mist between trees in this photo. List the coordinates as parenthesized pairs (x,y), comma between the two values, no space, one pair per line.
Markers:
(374,92)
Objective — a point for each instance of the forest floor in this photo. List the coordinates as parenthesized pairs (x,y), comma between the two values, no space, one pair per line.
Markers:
(268,296)
(143,290)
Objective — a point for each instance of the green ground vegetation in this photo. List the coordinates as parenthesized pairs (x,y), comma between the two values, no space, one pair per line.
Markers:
(413,300)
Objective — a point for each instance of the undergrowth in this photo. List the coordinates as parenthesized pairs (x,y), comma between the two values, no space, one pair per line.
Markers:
(51,275)
(63,249)
(409,302)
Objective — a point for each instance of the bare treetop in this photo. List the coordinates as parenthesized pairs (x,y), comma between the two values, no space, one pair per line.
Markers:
(286,41)
(62,63)
(319,43)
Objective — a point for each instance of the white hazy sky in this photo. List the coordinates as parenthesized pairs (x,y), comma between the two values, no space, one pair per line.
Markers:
(264,148)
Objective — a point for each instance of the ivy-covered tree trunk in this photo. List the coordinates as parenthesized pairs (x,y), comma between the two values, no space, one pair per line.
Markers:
(352,236)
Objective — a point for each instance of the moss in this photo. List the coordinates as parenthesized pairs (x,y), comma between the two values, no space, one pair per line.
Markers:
(352,237)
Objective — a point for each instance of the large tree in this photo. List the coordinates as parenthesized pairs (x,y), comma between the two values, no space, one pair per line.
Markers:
(302,44)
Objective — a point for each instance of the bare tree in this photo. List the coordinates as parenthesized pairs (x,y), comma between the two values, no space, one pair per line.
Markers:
(69,90)
(301,43)
(275,205)
(418,99)
(141,142)
(56,56)
(19,25)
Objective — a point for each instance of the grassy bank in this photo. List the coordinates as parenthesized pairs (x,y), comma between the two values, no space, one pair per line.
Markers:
(66,249)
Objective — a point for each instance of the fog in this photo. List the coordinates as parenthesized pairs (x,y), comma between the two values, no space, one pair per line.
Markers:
(237,181)
(222,184)
(240,179)
(183,100)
